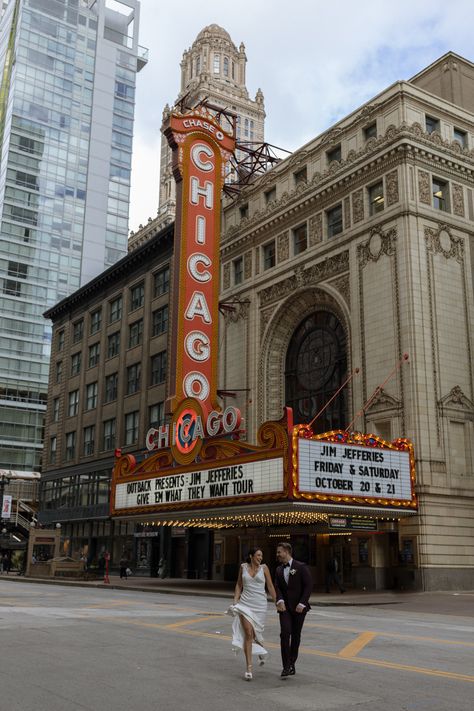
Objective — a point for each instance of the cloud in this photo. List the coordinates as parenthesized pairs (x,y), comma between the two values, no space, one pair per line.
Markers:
(314,61)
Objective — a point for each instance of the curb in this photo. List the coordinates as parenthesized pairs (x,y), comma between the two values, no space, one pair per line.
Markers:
(180,591)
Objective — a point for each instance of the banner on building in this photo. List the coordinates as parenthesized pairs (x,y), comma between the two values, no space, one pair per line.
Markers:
(6,506)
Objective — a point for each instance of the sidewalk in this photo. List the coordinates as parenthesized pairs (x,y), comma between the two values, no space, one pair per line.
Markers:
(461,603)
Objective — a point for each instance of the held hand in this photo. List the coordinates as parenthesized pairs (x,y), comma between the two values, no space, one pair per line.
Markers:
(281,606)
(300,608)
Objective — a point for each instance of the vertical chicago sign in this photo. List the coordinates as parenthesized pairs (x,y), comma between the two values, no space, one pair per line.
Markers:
(201,149)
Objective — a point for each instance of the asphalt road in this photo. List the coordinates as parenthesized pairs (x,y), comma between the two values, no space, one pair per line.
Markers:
(64,648)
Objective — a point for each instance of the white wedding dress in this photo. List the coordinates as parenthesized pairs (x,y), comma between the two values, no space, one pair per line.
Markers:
(253,606)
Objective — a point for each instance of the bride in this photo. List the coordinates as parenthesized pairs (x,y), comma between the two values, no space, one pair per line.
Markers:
(250,607)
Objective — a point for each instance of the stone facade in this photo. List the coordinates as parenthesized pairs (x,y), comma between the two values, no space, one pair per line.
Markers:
(399,279)
(214,70)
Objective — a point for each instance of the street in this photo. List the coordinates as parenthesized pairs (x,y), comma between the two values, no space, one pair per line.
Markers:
(96,649)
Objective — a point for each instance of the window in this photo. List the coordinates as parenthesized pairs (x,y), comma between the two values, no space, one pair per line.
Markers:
(17,270)
(77,331)
(91,396)
(70,446)
(88,441)
(440,194)
(137,296)
(94,354)
(334,154)
(160,321)
(96,320)
(226,66)
(300,239)
(108,441)
(113,344)
(158,368)
(301,176)
(238,267)
(60,340)
(269,258)
(76,363)
(135,333)
(270,195)
(55,412)
(161,282)
(156,415)
(244,211)
(376,198)
(59,371)
(370,131)
(432,124)
(133,378)
(73,403)
(111,387)
(316,367)
(217,63)
(53,445)
(461,137)
(11,287)
(115,309)
(131,427)
(334,220)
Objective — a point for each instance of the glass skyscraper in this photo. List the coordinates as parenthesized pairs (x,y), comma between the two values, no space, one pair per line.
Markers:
(67,97)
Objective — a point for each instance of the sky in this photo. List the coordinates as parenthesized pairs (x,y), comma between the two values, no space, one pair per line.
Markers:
(314,61)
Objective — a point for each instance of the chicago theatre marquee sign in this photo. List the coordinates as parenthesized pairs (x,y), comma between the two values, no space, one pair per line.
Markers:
(197,461)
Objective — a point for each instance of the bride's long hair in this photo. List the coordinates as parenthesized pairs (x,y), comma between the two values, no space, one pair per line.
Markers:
(250,554)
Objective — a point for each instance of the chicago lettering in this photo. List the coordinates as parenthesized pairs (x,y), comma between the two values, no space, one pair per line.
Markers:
(216,423)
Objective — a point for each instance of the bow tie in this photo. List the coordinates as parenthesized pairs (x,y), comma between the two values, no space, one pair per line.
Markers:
(287,565)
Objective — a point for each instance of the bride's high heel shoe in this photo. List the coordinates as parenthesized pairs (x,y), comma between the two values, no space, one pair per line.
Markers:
(261,660)
(248,674)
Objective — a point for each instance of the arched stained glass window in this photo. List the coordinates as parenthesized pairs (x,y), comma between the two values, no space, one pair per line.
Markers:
(316,366)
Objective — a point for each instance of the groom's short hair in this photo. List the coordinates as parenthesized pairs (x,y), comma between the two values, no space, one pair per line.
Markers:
(286,546)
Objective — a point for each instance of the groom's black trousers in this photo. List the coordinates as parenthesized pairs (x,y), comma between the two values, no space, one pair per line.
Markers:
(291,624)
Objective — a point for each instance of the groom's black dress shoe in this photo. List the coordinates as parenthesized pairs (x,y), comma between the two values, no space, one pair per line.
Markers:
(292,670)
(285,673)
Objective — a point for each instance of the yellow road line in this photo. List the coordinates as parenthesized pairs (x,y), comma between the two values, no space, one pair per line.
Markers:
(313,652)
(185,623)
(396,635)
(354,647)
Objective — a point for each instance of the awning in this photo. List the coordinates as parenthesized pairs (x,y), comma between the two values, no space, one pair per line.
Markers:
(272,514)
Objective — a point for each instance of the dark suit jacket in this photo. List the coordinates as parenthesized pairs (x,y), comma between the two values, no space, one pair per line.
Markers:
(299,588)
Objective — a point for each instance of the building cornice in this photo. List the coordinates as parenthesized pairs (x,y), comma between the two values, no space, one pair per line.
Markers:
(396,140)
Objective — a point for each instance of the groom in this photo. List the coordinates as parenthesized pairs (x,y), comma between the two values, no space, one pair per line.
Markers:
(293,586)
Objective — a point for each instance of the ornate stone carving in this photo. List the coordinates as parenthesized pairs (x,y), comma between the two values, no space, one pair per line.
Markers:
(265,317)
(424,189)
(298,158)
(226,280)
(283,247)
(342,284)
(379,243)
(236,311)
(391,182)
(331,136)
(458,199)
(347,213)
(456,402)
(383,402)
(357,205)
(247,265)
(306,277)
(392,133)
(315,229)
(441,241)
